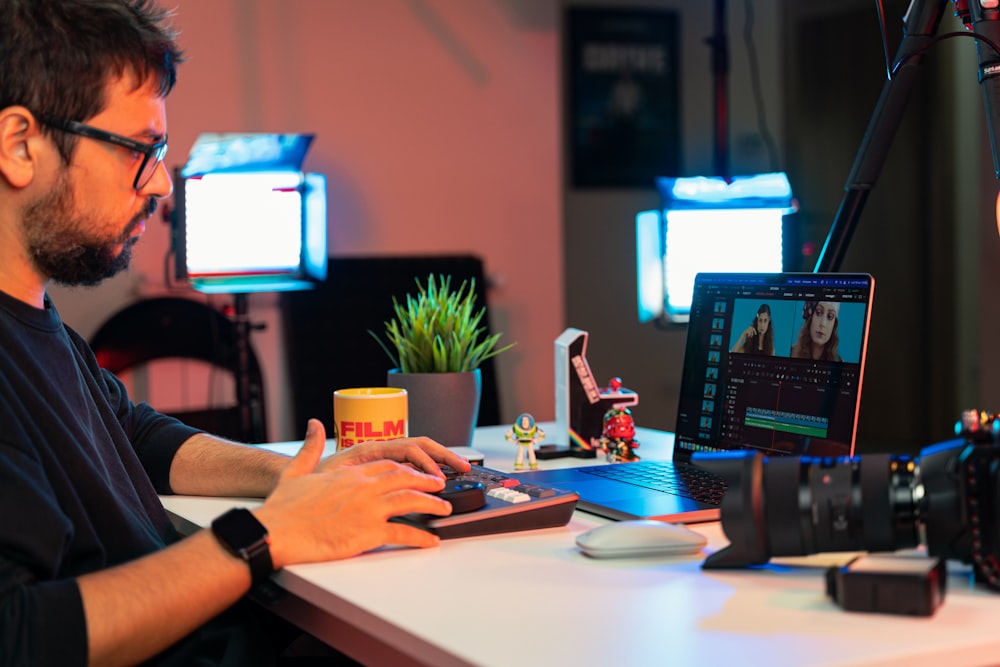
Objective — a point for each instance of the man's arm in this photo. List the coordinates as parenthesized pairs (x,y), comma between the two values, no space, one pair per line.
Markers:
(206,465)
(136,610)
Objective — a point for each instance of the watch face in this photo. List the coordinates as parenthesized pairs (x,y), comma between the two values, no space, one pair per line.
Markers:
(241,533)
(239,529)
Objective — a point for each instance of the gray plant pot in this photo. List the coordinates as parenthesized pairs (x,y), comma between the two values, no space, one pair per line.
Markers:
(442,406)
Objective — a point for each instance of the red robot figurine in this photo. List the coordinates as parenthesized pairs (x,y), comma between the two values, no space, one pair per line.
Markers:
(618,436)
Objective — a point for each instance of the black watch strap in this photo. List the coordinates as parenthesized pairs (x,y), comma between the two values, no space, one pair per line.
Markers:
(242,534)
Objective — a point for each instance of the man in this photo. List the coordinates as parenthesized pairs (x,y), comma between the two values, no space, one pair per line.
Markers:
(91,571)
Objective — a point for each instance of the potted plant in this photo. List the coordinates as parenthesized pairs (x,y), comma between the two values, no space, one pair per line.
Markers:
(437,341)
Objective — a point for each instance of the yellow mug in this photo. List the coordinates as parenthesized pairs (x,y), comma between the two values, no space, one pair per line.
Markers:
(363,414)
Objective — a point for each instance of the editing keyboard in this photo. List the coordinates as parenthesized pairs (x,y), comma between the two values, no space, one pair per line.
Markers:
(486,501)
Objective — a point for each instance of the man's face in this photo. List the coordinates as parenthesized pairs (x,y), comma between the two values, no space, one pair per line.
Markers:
(70,245)
(82,229)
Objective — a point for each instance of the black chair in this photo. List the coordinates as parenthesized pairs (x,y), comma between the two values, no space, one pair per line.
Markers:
(326,328)
(174,328)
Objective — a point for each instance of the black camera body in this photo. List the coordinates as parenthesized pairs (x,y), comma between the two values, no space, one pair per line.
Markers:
(947,499)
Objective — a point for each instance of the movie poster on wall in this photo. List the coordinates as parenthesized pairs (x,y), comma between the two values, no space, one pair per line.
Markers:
(623,107)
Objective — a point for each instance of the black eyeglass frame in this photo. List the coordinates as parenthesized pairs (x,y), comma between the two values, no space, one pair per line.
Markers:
(157,150)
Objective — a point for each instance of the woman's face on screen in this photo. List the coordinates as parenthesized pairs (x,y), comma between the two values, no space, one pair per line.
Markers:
(824,318)
(763,322)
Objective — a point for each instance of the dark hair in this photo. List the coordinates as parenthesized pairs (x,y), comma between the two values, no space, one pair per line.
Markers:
(767,345)
(765,342)
(57,56)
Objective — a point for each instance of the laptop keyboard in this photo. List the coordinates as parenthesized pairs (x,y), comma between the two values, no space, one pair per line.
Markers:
(680,480)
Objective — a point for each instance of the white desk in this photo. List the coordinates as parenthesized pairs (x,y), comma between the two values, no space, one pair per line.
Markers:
(532,598)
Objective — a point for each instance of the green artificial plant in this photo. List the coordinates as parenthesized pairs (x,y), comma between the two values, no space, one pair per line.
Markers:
(439,330)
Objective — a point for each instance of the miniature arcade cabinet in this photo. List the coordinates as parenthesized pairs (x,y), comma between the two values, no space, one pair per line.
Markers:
(580,401)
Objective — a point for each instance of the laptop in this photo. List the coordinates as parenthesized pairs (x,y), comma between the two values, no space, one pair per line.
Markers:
(773,363)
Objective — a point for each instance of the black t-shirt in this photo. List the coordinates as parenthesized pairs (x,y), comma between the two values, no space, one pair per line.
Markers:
(80,470)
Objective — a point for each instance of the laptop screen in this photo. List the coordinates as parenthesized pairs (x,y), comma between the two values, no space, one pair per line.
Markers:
(774,362)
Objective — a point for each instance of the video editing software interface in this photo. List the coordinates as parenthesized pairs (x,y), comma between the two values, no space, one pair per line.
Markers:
(774,362)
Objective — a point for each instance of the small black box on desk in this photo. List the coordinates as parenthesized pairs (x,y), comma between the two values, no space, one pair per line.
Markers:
(889,585)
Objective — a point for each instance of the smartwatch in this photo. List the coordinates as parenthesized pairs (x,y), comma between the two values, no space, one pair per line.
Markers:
(244,536)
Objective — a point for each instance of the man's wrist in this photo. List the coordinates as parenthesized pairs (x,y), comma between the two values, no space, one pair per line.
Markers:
(239,531)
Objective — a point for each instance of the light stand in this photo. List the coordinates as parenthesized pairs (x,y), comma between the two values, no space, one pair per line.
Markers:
(718,223)
(247,219)
(248,390)
(719,43)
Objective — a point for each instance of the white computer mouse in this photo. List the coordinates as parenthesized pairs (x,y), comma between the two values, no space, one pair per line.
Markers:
(640,537)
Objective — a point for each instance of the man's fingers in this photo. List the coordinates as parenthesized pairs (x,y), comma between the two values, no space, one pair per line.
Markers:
(386,476)
(307,458)
(427,455)
(408,501)
(399,489)
(409,536)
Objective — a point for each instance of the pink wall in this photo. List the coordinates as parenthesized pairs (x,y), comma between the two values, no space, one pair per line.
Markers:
(437,127)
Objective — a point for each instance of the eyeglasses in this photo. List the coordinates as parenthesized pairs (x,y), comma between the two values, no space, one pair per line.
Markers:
(152,154)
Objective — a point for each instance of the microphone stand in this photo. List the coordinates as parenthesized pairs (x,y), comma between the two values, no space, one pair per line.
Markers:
(919,26)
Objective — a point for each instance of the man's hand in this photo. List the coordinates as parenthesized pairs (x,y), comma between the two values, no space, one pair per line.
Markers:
(422,453)
(342,508)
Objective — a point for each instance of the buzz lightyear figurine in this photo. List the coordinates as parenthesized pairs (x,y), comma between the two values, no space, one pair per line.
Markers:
(525,434)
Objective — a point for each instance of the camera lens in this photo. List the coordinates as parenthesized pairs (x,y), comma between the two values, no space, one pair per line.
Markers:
(805,505)
(947,499)
(847,504)
(840,504)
